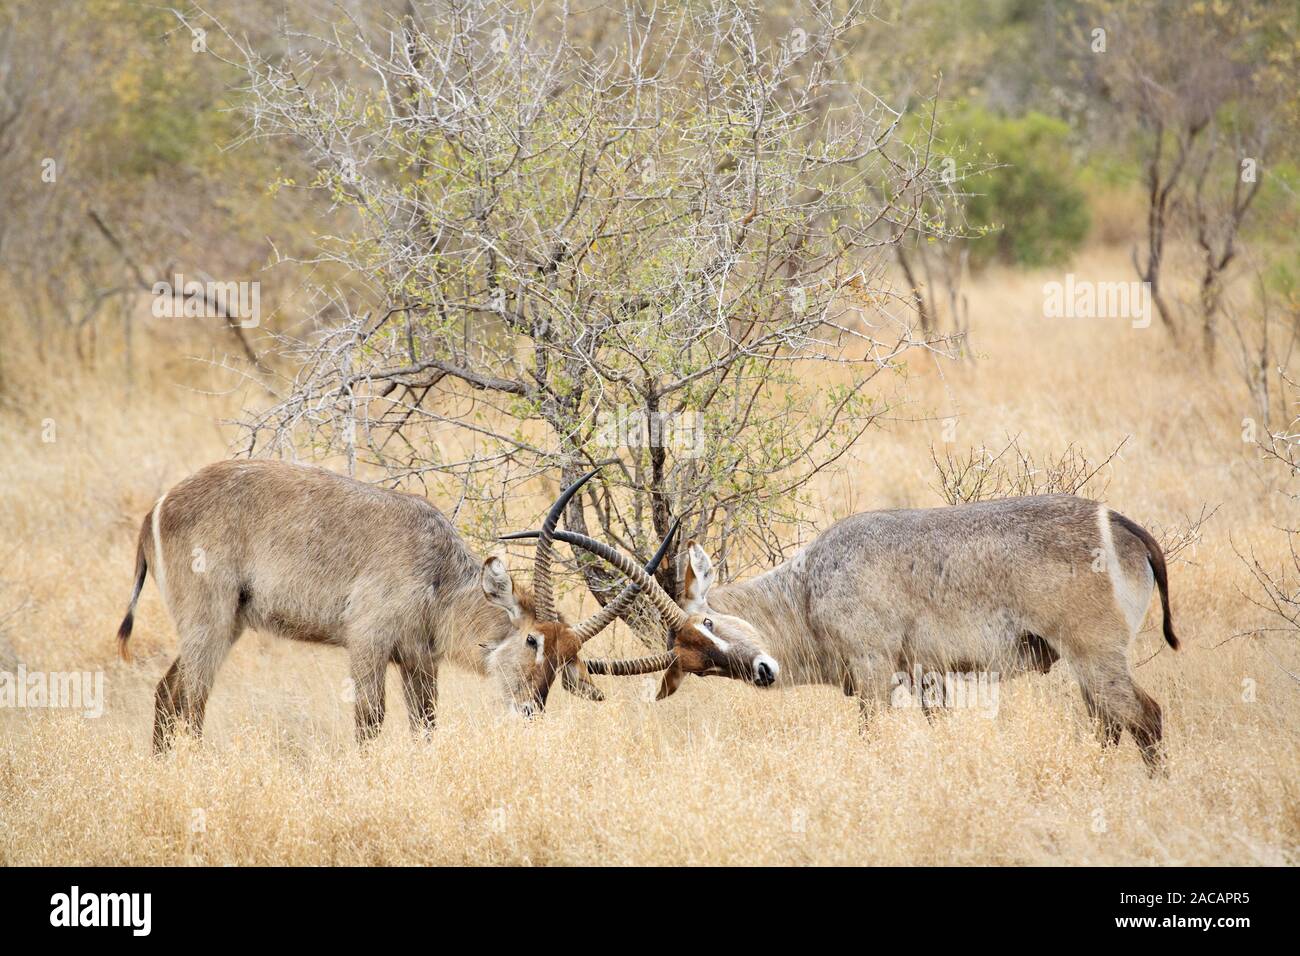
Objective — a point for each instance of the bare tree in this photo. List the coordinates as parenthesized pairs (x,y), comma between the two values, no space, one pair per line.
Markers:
(1264,343)
(1217,216)
(1204,88)
(101,199)
(1276,588)
(596,238)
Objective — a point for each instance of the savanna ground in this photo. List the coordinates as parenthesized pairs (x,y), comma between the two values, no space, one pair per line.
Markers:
(719,774)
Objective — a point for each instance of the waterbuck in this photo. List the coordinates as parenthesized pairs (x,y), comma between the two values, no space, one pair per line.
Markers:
(1001,587)
(311,555)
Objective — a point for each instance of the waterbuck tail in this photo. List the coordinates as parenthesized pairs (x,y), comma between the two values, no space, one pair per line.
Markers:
(1157,558)
(141,569)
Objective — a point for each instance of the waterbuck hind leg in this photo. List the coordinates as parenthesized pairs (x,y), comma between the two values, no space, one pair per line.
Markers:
(178,705)
(1108,728)
(167,708)
(1108,687)
(207,615)
(1147,729)
(204,649)
(1130,706)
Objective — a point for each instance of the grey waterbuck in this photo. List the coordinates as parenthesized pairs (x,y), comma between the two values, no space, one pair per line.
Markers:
(1002,586)
(307,554)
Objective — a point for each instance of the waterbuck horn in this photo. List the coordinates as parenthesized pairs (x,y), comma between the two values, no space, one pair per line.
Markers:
(597,622)
(674,616)
(630,668)
(544,595)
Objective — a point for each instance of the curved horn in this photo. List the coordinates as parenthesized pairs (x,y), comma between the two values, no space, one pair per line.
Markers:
(593,625)
(674,616)
(630,668)
(545,597)
(597,622)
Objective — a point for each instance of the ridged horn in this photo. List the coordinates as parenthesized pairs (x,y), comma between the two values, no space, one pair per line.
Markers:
(597,622)
(674,616)
(542,591)
(630,668)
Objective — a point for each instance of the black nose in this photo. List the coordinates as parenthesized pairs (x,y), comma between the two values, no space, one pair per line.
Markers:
(763,674)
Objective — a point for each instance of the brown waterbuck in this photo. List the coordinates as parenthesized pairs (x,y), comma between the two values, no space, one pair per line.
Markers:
(999,587)
(304,553)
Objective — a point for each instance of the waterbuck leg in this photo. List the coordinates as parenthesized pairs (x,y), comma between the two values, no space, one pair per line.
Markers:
(868,681)
(908,678)
(182,695)
(1147,727)
(1108,728)
(208,621)
(420,687)
(850,688)
(203,650)
(369,667)
(167,707)
(1105,679)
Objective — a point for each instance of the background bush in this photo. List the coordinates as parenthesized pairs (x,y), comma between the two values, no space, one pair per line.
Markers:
(1017,186)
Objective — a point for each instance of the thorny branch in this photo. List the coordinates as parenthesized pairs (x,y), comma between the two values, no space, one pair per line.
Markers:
(599,237)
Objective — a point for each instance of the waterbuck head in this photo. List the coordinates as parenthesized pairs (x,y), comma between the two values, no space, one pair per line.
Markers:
(700,641)
(540,644)
(714,644)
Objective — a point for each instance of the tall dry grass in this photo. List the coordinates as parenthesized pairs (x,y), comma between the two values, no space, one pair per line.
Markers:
(720,773)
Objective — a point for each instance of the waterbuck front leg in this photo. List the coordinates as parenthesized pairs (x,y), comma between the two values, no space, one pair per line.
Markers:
(369,668)
(419,672)
(372,633)
(868,680)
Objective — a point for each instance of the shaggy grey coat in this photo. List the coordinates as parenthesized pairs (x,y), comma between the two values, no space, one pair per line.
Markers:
(1002,586)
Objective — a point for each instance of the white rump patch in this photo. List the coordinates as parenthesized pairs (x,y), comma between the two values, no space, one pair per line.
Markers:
(159,572)
(1131,596)
(1107,541)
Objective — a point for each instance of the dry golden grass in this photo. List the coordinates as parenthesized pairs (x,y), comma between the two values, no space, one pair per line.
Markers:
(719,774)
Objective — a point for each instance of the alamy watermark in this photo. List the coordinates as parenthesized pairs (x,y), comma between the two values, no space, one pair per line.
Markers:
(1085,299)
(130,910)
(683,432)
(72,690)
(953,690)
(191,299)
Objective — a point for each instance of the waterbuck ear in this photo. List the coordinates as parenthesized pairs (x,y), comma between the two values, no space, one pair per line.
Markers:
(500,590)
(576,682)
(672,680)
(699,577)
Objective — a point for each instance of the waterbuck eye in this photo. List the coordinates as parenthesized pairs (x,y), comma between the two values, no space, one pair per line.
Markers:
(531,641)
(708,622)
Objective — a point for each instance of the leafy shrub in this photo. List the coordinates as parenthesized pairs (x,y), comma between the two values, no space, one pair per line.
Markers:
(1020,185)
